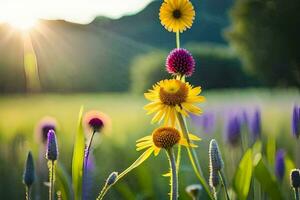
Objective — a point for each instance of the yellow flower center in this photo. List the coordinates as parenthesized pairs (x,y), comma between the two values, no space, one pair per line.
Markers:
(176,14)
(165,137)
(174,93)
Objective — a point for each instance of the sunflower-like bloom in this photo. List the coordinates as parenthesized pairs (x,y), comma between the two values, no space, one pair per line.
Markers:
(170,96)
(177,15)
(163,138)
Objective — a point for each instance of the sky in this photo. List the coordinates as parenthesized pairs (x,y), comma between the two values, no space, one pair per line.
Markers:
(79,11)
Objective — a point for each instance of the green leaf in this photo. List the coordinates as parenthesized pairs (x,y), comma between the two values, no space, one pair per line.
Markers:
(266,179)
(78,158)
(271,150)
(63,182)
(242,178)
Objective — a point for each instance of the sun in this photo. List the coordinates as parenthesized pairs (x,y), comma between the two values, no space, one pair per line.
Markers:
(22,23)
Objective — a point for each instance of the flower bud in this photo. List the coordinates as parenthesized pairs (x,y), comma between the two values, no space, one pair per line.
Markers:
(29,176)
(295,178)
(112,178)
(52,151)
(194,190)
(215,158)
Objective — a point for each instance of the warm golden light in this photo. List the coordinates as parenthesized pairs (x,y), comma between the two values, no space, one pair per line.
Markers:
(22,23)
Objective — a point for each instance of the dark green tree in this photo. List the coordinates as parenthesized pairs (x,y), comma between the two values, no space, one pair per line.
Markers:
(266,34)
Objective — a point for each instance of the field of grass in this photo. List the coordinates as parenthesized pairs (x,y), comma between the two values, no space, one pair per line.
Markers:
(116,150)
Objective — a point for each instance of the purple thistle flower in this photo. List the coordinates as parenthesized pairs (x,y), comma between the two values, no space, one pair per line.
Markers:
(96,121)
(280,164)
(233,130)
(52,151)
(255,127)
(180,62)
(44,126)
(296,121)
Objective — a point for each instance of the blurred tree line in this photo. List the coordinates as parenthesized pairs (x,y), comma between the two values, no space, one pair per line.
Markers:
(266,34)
(216,67)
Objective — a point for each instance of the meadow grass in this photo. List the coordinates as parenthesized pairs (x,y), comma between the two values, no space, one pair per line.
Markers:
(20,113)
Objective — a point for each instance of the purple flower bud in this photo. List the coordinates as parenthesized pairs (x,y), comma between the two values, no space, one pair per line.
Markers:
(29,176)
(233,130)
(180,62)
(280,164)
(52,151)
(295,178)
(296,121)
(255,127)
(96,120)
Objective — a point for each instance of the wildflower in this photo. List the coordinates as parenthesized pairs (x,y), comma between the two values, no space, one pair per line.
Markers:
(96,121)
(163,138)
(88,178)
(233,130)
(194,190)
(43,127)
(256,125)
(52,151)
(177,15)
(280,164)
(171,96)
(112,178)
(296,121)
(180,62)
(295,178)
(215,158)
(29,176)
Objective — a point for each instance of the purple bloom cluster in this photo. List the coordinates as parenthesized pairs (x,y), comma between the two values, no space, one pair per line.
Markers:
(52,151)
(255,127)
(180,62)
(296,121)
(233,130)
(280,164)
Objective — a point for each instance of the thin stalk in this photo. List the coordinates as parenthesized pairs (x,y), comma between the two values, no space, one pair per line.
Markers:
(223,182)
(193,156)
(27,192)
(177,39)
(174,176)
(178,158)
(296,192)
(88,149)
(51,179)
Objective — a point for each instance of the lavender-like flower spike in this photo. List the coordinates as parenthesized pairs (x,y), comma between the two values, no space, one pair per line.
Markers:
(295,178)
(296,121)
(215,159)
(214,179)
(52,151)
(280,164)
(233,130)
(29,175)
(256,125)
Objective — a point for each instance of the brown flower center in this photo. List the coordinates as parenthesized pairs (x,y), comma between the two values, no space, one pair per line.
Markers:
(173,94)
(165,137)
(177,14)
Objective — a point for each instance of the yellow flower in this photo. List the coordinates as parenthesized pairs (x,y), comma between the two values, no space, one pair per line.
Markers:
(163,138)
(177,15)
(171,96)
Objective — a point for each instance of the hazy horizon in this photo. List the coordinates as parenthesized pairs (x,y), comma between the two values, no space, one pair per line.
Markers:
(77,11)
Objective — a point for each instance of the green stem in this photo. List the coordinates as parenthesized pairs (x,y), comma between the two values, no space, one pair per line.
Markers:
(192,156)
(178,39)
(51,179)
(224,185)
(174,176)
(178,158)
(88,149)
(296,191)
(27,193)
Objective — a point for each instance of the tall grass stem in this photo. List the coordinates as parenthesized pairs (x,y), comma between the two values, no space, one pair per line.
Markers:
(223,182)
